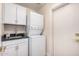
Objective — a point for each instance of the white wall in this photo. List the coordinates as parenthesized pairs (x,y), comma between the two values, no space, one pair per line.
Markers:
(48,31)
(13,29)
(58,42)
(46,11)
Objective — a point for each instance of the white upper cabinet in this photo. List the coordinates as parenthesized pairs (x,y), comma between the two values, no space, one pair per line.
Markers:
(9,13)
(21,15)
(0,10)
(14,14)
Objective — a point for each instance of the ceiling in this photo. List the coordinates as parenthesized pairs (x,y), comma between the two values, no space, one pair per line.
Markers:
(34,6)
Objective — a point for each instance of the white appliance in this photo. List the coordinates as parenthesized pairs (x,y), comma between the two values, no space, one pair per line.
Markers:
(35,25)
(37,45)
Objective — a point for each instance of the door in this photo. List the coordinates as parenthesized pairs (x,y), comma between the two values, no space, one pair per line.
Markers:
(21,15)
(9,50)
(9,13)
(23,48)
(37,46)
(66,21)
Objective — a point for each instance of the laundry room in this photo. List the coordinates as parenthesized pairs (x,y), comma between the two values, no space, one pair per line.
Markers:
(39,29)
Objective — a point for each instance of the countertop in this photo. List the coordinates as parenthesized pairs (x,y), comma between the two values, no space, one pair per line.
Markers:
(8,39)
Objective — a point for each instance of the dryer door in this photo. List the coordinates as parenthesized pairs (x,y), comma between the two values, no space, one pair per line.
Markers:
(35,23)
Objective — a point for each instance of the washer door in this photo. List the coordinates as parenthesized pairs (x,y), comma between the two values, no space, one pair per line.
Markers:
(37,46)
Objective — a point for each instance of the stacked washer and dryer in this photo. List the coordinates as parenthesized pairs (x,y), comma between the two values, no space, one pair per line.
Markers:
(35,27)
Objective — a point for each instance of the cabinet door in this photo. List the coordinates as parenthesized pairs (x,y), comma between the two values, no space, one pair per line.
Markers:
(0,23)
(21,15)
(9,50)
(23,49)
(0,51)
(0,10)
(0,30)
(9,13)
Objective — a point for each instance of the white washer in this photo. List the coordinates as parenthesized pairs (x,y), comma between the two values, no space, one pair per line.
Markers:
(37,45)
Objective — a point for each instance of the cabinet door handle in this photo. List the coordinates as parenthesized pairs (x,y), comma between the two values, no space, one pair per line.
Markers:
(16,47)
(4,48)
(0,49)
